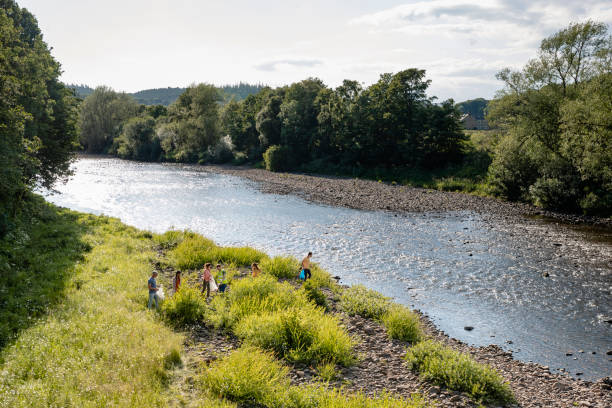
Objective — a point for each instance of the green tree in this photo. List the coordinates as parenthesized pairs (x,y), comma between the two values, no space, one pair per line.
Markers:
(101,116)
(138,140)
(37,112)
(555,114)
(195,115)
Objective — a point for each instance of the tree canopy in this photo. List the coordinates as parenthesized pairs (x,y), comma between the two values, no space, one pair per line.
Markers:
(555,112)
(37,112)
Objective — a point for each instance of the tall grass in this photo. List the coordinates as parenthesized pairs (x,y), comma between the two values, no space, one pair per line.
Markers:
(305,335)
(281,267)
(254,378)
(194,251)
(99,346)
(364,302)
(403,324)
(457,371)
(186,307)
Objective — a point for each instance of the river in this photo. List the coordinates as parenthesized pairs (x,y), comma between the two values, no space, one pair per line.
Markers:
(460,268)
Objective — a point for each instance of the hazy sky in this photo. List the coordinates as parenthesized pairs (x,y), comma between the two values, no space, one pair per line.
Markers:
(138,44)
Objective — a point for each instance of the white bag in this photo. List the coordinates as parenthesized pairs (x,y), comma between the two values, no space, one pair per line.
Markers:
(213,285)
(160,293)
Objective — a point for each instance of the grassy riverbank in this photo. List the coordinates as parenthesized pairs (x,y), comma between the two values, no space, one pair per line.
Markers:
(76,331)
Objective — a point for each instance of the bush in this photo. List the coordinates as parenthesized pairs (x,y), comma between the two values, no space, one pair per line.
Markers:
(256,296)
(364,302)
(170,239)
(195,251)
(402,324)
(281,267)
(457,371)
(187,306)
(248,376)
(305,335)
(278,158)
(314,294)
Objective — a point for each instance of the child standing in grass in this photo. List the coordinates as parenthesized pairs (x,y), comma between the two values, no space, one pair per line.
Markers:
(222,282)
(153,290)
(255,271)
(176,283)
(206,276)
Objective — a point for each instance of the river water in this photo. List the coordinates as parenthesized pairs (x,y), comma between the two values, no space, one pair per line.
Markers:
(460,268)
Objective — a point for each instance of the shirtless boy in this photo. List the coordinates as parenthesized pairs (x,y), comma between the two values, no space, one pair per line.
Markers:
(306,266)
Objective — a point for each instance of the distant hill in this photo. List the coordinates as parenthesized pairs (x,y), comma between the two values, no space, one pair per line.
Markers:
(165,96)
(475,107)
(82,91)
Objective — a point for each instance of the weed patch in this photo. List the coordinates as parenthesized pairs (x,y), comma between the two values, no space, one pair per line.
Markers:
(281,267)
(457,371)
(403,324)
(361,301)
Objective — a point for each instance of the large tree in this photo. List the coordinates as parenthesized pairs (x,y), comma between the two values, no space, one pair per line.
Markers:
(101,116)
(556,116)
(37,113)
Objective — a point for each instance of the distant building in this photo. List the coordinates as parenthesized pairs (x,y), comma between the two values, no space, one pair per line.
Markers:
(471,123)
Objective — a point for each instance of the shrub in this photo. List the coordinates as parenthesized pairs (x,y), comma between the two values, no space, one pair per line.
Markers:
(314,294)
(457,371)
(187,306)
(248,376)
(327,372)
(321,278)
(305,335)
(195,251)
(170,239)
(256,296)
(402,324)
(278,158)
(364,302)
(281,267)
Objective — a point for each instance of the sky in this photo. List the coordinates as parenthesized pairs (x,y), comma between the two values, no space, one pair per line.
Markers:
(132,45)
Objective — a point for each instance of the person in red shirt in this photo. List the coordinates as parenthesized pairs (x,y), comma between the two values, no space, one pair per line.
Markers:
(176,284)
(206,275)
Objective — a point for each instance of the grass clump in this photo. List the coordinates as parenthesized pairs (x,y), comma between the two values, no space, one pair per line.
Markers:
(255,296)
(304,335)
(327,372)
(170,239)
(403,324)
(96,344)
(361,301)
(457,371)
(194,251)
(186,307)
(253,378)
(314,294)
(281,267)
(248,376)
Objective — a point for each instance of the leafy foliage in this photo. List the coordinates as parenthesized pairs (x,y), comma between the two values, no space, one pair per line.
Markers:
(556,149)
(281,267)
(278,158)
(37,112)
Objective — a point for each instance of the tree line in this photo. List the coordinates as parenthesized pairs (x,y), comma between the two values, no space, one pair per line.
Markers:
(388,124)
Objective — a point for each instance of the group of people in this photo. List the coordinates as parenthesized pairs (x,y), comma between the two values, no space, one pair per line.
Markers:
(209,283)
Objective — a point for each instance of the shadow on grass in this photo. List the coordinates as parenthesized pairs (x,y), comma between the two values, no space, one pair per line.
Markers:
(37,260)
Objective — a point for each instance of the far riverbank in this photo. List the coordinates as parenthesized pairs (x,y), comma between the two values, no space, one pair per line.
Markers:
(371,195)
